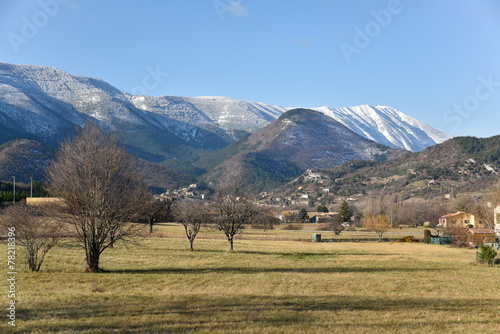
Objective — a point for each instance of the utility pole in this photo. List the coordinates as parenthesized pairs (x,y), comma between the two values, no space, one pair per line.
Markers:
(31,178)
(14,190)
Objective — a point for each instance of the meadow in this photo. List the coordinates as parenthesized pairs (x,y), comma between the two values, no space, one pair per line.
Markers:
(264,286)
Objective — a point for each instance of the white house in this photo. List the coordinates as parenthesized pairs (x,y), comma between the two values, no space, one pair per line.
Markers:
(497,221)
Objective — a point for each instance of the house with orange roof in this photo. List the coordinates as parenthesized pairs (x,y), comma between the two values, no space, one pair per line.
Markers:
(458,219)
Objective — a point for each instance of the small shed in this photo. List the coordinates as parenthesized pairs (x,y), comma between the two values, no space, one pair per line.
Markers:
(481,235)
(313,217)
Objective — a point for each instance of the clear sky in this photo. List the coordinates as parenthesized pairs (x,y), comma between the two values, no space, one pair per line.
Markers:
(438,61)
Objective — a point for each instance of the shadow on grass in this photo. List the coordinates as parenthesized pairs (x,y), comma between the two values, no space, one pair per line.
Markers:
(247,270)
(283,254)
(216,313)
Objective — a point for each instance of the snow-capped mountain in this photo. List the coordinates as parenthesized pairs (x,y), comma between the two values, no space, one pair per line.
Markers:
(387,126)
(235,118)
(46,104)
(42,100)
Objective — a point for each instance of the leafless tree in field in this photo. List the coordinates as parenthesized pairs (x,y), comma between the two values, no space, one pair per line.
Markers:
(159,210)
(37,233)
(100,188)
(233,212)
(378,223)
(193,216)
(335,224)
(263,218)
(485,208)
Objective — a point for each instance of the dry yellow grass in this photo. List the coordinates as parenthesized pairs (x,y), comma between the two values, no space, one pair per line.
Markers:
(173,230)
(263,287)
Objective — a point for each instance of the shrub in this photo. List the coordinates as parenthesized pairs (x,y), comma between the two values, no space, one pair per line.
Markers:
(487,254)
(409,238)
(293,227)
(460,236)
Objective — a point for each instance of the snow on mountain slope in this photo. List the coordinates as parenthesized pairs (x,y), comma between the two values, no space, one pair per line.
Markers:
(387,126)
(235,118)
(47,103)
(44,100)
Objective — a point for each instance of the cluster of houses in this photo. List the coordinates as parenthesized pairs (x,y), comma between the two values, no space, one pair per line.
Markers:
(313,217)
(193,191)
(477,232)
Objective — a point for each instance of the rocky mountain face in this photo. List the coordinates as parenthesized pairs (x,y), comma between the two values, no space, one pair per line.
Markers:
(46,104)
(186,134)
(298,140)
(387,126)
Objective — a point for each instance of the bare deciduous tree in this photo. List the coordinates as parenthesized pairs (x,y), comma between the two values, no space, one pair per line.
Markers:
(413,214)
(462,203)
(378,223)
(101,190)
(335,224)
(38,234)
(159,210)
(192,216)
(233,212)
(485,209)
(264,219)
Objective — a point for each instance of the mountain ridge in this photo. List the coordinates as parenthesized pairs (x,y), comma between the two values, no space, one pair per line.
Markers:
(459,165)
(74,98)
(387,125)
(298,140)
(46,104)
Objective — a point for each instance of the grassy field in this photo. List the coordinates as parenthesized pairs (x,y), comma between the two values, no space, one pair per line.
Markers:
(278,233)
(264,286)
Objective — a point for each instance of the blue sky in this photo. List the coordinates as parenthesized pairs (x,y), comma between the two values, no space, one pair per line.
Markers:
(438,61)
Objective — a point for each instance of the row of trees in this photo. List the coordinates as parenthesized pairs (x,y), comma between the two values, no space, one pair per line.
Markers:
(22,191)
(102,194)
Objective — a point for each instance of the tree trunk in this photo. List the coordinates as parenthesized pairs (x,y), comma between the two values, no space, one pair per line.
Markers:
(31,263)
(92,262)
(230,244)
(191,244)
(150,226)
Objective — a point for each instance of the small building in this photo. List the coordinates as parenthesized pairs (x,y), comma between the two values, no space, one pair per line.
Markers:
(286,216)
(321,217)
(280,216)
(313,217)
(457,219)
(433,183)
(37,201)
(481,235)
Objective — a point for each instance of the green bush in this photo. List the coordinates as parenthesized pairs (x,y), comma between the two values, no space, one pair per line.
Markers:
(487,254)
